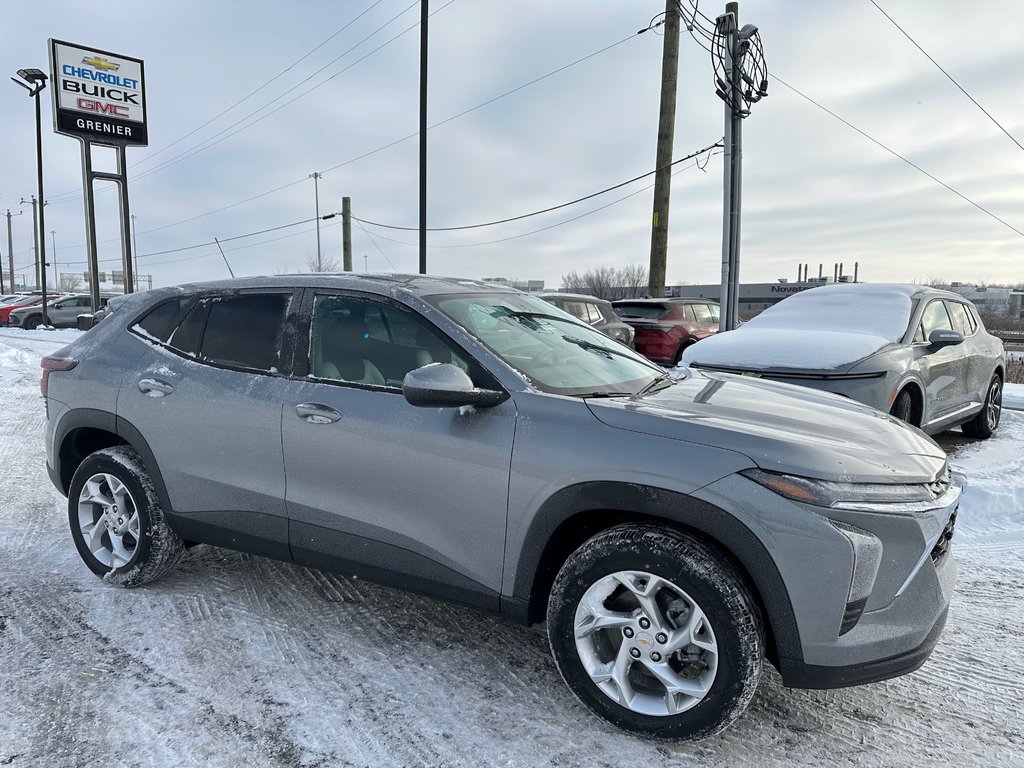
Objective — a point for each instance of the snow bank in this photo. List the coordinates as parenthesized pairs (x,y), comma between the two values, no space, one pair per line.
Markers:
(820,328)
(1013,396)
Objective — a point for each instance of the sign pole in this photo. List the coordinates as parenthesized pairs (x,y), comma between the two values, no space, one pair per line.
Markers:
(90,226)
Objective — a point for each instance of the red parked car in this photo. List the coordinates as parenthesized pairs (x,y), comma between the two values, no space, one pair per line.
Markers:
(24,301)
(665,327)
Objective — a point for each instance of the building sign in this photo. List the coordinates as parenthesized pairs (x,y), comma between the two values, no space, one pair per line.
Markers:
(98,95)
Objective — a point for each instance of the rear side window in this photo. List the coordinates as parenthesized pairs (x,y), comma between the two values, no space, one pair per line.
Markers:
(703,313)
(245,331)
(644,311)
(160,320)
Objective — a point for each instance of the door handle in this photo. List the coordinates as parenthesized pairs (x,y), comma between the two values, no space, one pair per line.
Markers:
(155,387)
(316,413)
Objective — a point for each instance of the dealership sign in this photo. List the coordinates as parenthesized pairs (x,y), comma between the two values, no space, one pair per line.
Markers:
(98,96)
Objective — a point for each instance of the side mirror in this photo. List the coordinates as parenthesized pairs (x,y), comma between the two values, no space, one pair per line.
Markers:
(443,385)
(940,339)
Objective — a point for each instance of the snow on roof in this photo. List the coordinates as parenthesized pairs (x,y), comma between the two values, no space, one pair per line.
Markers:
(820,328)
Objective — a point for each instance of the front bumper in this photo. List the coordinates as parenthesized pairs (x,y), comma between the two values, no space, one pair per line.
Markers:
(909,596)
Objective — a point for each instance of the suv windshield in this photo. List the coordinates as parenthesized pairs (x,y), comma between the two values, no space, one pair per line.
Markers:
(551,348)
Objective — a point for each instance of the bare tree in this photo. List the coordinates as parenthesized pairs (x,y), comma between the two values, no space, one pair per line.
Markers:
(69,282)
(327,264)
(607,282)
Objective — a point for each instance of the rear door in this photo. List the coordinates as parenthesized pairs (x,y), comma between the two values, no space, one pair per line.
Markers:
(977,362)
(207,397)
(415,497)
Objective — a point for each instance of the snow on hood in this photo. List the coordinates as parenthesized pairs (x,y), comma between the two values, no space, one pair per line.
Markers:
(819,329)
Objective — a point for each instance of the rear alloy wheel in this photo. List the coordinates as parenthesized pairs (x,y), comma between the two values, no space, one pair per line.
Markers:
(116,519)
(656,632)
(902,406)
(985,423)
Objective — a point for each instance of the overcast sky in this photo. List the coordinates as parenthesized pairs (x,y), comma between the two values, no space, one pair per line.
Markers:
(814,190)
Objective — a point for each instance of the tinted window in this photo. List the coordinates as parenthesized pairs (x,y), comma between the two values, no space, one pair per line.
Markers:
(185,337)
(245,331)
(645,311)
(961,320)
(160,320)
(935,318)
(367,342)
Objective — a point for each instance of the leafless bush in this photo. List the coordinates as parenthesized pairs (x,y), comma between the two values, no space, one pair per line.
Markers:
(1015,370)
(607,282)
(1003,323)
(69,282)
(327,264)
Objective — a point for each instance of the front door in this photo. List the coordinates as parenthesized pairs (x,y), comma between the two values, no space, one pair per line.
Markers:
(415,497)
(942,369)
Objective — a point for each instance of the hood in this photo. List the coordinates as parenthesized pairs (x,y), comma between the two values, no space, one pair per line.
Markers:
(781,428)
(782,350)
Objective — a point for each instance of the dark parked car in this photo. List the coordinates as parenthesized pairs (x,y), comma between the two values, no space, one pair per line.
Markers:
(921,354)
(665,327)
(593,311)
(461,440)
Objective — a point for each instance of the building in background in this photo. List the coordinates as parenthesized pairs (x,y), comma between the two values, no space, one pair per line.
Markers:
(530,286)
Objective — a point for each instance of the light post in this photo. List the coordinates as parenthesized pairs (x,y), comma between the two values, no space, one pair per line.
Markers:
(56,281)
(33,81)
(366,267)
(316,176)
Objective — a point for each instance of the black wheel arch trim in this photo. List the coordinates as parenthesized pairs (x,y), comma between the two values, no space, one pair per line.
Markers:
(655,503)
(92,418)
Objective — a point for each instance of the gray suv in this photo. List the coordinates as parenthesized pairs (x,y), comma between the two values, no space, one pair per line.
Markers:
(61,311)
(465,441)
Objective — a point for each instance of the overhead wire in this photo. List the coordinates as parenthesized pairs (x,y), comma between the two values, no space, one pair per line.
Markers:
(550,208)
(948,76)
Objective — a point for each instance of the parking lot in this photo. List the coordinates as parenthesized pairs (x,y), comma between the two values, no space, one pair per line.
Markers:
(235,659)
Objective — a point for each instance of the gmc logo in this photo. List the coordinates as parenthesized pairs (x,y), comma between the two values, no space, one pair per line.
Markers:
(91,105)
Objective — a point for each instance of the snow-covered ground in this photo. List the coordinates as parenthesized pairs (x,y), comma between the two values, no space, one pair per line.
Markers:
(238,660)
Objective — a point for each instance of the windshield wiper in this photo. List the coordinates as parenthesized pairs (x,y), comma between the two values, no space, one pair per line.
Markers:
(592,347)
(654,383)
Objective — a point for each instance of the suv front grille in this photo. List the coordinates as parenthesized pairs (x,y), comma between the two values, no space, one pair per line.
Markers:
(942,545)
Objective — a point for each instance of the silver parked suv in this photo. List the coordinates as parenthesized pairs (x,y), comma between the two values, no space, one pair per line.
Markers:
(466,441)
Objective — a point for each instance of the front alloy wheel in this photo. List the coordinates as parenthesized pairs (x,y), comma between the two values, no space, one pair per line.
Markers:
(645,643)
(656,631)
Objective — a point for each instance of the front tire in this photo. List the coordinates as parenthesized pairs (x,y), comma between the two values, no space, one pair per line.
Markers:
(116,519)
(656,632)
(984,424)
(32,322)
(902,407)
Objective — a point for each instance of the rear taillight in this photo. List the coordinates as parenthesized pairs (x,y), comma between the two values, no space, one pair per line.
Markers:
(49,364)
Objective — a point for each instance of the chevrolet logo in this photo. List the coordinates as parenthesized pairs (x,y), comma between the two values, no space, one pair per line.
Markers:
(98,62)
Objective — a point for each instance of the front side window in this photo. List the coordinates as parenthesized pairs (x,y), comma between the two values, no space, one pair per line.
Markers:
(551,349)
(935,318)
(362,341)
(961,320)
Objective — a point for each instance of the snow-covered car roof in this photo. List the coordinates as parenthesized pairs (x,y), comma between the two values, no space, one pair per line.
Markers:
(817,329)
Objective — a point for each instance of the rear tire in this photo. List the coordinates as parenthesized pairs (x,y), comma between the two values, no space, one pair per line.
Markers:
(116,519)
(656,632)
(984,424)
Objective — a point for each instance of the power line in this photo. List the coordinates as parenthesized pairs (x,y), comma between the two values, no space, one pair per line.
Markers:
(557,223)
(948,76)
(372,240)
(897,154)
(545,210)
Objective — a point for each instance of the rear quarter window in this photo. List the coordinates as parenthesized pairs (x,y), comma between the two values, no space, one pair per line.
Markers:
(160,321)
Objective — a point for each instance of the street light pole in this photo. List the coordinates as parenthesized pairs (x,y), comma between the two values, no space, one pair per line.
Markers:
(424,16)
(316,176)
(34,81)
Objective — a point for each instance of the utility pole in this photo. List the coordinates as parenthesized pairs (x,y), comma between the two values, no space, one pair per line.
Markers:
(666,137)
(53,258)
(35,237)
(135,249)
(424,15)
(741,78)
(10,247)
(346,233)
(315,176)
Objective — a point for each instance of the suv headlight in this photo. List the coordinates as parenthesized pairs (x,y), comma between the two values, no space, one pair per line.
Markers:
(867,497)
